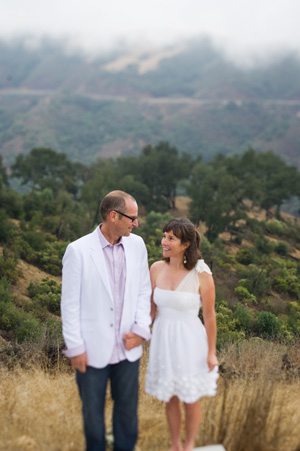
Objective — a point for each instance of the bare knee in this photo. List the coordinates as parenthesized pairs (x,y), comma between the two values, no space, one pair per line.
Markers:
(174,401)
(192,408)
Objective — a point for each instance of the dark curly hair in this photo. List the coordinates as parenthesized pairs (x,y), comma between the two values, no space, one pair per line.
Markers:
(185,230)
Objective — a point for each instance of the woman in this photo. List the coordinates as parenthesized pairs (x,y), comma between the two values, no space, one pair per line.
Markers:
(182,361)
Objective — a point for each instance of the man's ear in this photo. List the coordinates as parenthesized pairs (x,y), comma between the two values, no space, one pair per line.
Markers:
(112,215)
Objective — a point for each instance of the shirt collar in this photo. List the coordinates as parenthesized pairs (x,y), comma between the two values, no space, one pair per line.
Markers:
(103,241)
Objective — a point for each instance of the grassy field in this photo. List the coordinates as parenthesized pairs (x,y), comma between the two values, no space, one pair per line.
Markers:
(256,407)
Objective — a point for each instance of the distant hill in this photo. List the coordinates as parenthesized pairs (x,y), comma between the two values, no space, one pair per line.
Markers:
(189,95)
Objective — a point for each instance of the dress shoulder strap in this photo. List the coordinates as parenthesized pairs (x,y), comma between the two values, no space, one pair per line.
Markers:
(201,266)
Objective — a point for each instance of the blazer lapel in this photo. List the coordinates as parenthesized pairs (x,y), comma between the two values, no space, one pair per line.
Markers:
(97,256)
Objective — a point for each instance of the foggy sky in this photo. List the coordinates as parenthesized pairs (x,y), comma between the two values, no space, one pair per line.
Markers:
(242,27)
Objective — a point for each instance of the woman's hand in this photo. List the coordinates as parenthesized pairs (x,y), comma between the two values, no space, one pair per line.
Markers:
(132,340)
(212,361)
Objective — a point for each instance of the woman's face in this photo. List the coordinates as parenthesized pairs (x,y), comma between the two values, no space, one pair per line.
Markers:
(172,246)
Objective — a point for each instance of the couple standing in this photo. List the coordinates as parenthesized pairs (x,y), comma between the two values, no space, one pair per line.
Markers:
(106,315)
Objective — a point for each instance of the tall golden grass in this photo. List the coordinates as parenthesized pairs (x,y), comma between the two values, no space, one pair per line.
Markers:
(256,407)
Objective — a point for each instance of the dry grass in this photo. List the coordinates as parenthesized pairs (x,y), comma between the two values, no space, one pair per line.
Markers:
(256,408)
(252,415)
(39,412)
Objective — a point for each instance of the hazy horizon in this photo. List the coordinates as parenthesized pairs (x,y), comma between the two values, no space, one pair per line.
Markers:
(246,32)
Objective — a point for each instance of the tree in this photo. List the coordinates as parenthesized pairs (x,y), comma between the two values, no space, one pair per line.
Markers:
(161,169)
(103,179)
(136,188)
(215,198)
(268,181)
(244,167)
(219,188)
(45,168)
(128,173)
(3,174)
(280,181)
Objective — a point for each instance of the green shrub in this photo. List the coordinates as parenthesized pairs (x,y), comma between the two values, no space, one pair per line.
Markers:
(154,252)
(5,295)
(287,335)
(36,219)
(275,227)
(53,332)
(287,282)
(21,325)
(51,224)
(291,264)
(243,318)
(46,295)
(244,295)
(280,284)
(226,326)
(263,245)
(255,280)
(254,225)
(222,258)
(238,239)
(36,240)
(49,262)
(282,248)
(294,317)
(28,328)
(47,259)
(227,337)
(23,250)
(10,316)
(6,227)
(152,229)
(205,248)
(267,325)
(245,256)
(12,203)
(8,267)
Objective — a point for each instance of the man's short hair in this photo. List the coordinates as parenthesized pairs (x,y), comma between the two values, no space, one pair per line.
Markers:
(115,200)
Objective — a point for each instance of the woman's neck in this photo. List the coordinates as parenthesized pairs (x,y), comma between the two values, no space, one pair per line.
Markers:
(176,264)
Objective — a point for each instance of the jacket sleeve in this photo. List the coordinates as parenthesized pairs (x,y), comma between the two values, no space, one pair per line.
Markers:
(142,322)
(70,301)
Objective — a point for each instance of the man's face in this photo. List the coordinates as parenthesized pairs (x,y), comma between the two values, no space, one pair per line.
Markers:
(124,225)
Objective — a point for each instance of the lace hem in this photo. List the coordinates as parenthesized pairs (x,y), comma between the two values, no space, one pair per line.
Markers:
(187,389)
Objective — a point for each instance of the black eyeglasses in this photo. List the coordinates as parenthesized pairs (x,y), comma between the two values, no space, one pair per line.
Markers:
(132,218)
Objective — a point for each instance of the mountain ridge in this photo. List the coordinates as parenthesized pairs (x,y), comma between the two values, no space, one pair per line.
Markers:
(193,97)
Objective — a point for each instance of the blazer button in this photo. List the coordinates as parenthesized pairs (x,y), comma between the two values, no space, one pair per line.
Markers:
(111,308)
(111,325)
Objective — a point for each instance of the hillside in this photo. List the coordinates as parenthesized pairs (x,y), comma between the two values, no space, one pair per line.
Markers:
(116,103)
(28,274)
(256,269)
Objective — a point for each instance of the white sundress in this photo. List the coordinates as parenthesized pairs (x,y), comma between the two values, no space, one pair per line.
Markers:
(178,350)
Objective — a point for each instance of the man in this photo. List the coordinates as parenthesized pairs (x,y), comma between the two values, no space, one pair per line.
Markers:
(106,316)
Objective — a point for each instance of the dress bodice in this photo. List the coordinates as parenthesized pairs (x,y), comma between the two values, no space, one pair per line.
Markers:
(185,297)
(176,300)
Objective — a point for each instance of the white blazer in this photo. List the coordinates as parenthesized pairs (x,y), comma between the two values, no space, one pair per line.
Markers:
(87,307)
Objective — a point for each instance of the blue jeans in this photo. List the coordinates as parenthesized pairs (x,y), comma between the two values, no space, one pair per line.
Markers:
(124,390)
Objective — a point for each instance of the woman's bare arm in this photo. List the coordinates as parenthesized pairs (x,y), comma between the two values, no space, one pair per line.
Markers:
(207,288)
